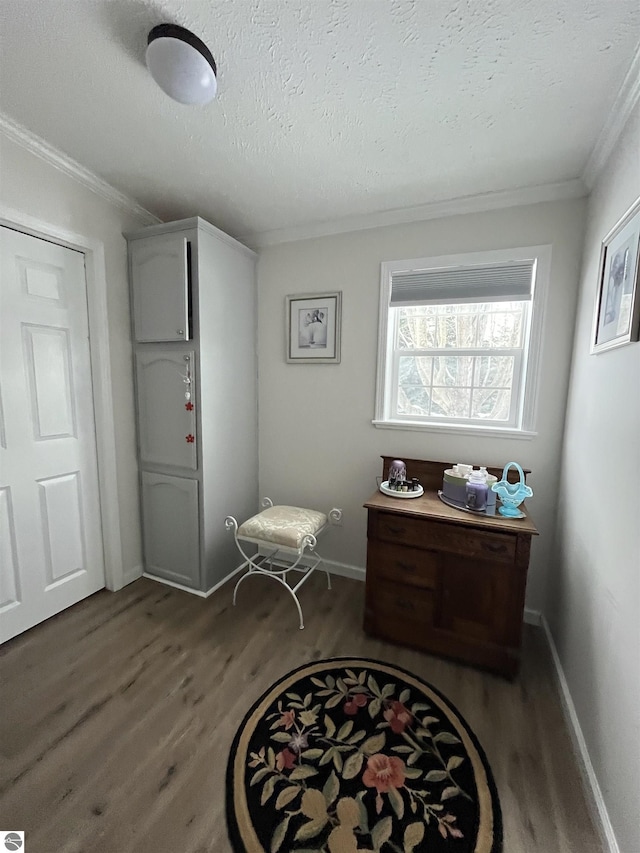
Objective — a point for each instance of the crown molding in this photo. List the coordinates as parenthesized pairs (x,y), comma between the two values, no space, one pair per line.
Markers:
(624,104)
(435,210)
(59,160)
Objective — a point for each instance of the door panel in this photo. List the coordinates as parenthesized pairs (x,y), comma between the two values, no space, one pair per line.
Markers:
(9,576)
(51,552)
(171,528)
(41,280)
(48,362)
(160,284)
(61,516)
(166,421)
(3,439)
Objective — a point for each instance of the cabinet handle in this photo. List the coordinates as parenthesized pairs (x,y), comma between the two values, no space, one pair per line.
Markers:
(405,605)
(406,567)
(496,549)
(180,331)
(392,529)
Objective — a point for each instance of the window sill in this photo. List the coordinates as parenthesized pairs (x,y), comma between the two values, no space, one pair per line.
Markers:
(459,429)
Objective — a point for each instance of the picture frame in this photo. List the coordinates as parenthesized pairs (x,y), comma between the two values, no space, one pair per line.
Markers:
(313,324)
(616,320)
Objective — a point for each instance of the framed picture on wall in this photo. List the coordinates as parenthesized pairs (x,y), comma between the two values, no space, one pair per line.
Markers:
(617,313)
(313,328)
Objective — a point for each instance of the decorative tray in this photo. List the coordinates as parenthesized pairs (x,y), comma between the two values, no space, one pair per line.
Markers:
(492,510)
(465,508)
(384,488)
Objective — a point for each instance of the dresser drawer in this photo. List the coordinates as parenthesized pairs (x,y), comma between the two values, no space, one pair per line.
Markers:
(403,614)
(402,565)
(440,536)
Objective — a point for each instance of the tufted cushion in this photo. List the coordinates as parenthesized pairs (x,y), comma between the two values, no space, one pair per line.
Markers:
(283,525)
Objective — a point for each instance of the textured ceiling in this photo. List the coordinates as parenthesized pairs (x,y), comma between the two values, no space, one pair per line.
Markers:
(326,108)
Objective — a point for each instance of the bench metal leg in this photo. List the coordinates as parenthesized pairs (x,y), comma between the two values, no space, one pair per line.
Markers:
(266,574)
(271,565)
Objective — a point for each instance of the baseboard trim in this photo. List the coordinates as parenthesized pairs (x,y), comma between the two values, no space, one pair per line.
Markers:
(200,593)
(223,581)
(592,788)
(175,585)
(131,575)
(344,570)
(532,617)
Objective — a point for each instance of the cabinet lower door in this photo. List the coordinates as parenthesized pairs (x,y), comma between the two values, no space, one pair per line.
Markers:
(171,528)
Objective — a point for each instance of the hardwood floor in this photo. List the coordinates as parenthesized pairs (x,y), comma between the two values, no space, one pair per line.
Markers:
(118,715)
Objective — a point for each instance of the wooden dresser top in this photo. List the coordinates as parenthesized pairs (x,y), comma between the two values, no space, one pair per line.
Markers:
(430,506)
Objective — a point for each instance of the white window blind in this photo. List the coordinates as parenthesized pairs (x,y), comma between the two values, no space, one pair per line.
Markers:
(506,282)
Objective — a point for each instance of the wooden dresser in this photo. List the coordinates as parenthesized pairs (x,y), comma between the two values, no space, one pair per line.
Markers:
(443,580)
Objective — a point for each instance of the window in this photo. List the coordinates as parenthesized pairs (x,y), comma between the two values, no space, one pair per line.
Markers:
(459,341)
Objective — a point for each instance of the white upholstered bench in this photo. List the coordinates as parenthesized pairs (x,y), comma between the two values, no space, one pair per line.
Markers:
(287,534)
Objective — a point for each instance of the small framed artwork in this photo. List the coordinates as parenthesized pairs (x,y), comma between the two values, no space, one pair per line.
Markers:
(617,313)
(313,328)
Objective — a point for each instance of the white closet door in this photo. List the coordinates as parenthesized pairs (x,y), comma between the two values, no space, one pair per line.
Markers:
(50,533)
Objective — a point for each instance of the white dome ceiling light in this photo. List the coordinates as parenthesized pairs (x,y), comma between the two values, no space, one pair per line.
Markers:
(181,64)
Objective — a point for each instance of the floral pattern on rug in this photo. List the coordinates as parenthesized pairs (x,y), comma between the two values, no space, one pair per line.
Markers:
(353,760)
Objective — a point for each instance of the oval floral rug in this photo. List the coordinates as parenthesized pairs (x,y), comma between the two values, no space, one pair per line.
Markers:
(352,754)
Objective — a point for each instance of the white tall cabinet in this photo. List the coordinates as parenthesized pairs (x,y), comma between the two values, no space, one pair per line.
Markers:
(193,295)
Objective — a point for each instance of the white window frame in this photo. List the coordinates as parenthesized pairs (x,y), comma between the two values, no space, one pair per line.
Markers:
(524,401)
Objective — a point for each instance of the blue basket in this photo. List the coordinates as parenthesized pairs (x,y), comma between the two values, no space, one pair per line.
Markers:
(511,494)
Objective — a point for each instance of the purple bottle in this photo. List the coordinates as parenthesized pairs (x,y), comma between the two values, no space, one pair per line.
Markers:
(477,491)
(397,473)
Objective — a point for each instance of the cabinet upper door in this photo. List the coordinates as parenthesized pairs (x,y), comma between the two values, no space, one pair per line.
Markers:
(160,284)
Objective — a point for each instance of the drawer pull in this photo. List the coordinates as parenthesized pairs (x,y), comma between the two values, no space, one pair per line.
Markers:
(405,605)
(396,530)
(494,548)
(406,567)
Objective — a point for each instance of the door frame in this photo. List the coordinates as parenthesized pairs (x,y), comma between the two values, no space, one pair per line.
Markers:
(96,286)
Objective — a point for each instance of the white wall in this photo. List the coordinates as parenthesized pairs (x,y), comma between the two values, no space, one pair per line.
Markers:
(317,444)
(36,189)
(594,599)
